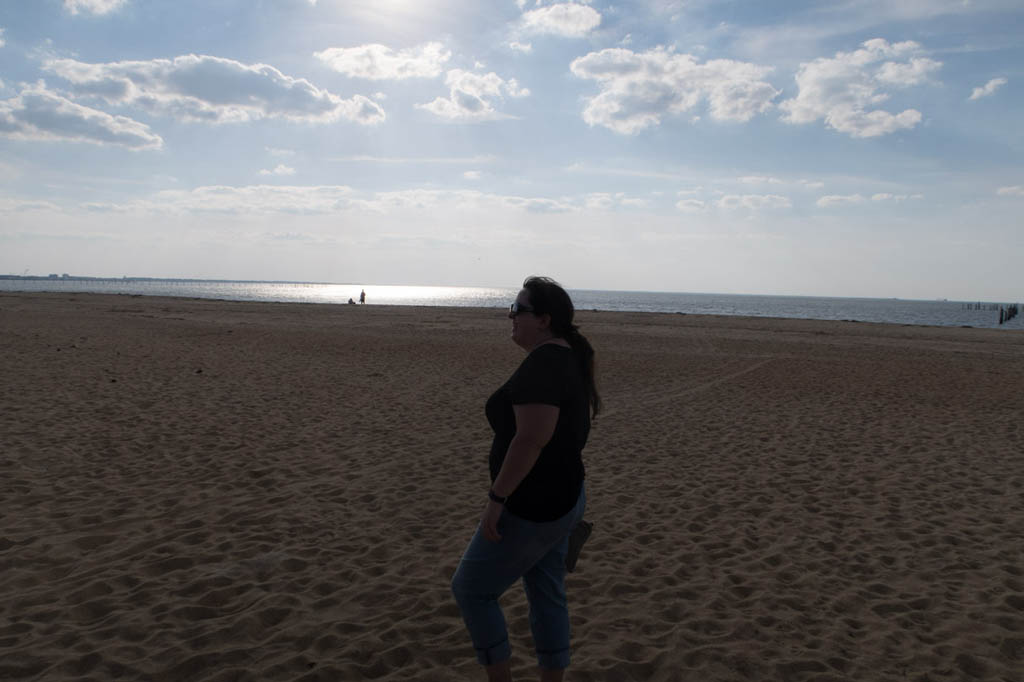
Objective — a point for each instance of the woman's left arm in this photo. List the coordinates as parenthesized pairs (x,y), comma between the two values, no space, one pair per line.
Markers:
(535,425)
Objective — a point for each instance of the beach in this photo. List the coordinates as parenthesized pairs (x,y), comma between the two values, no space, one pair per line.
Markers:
(211,490)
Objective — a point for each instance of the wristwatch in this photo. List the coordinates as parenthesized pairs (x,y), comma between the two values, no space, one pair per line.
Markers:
(495,498)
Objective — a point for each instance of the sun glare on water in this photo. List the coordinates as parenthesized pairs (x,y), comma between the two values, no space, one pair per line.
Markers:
(391,294)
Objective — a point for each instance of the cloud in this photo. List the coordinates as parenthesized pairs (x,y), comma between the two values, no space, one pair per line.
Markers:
(844,89)
(851,199)
(277,151)
(569,20)
(887,196)
(280,169)
(23,205)
(93,6)
(770,180)
(2,42)
(331,199)
(1015,191)
(691,205)
(520,47)
(988,88)
(471,96)
(378,62)
(840,200)
(601,201)
(200,88)
(40,114)
(638,89)
(601,169)
(531,204)
(293,199)
(914,72)
(461,160)
(753,201)
(465,200)
(607,201)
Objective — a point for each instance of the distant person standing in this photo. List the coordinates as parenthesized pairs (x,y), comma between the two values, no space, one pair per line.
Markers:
(362,296)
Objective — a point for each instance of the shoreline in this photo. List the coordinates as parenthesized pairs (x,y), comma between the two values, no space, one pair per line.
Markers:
(207,490)
(499,310)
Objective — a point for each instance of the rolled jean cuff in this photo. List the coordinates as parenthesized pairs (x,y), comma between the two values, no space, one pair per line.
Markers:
(553,660)
(495,653)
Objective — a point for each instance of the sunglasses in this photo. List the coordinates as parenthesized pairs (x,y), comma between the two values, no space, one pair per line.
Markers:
(517,308)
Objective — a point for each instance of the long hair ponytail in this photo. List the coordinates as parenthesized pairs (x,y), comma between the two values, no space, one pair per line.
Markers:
(548,297)
(585,352)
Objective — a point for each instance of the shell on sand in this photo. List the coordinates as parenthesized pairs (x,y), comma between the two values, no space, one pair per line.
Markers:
(208,490)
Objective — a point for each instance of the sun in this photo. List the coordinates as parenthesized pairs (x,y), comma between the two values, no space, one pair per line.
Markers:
(400,16)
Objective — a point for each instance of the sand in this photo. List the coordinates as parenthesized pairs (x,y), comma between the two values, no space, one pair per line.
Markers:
(207,490)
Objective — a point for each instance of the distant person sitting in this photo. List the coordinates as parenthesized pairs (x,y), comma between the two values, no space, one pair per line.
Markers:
(351,302)
(362,296)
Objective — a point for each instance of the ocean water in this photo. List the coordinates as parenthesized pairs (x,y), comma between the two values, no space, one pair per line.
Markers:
(896,311)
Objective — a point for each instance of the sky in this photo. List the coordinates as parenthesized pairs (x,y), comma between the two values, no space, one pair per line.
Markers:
(842,148)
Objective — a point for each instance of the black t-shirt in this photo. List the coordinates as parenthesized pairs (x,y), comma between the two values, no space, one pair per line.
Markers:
(549,375)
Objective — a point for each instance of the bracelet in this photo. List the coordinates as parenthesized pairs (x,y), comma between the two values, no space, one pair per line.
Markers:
(495,498)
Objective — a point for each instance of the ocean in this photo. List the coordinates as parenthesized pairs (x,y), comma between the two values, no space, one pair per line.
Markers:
(895,311)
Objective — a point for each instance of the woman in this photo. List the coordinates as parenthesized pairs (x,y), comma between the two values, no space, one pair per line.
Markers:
(541,419)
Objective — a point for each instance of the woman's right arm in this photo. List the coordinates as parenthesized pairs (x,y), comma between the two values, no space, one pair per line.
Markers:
(535,425)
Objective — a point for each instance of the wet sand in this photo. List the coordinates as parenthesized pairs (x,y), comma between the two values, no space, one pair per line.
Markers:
(208,490)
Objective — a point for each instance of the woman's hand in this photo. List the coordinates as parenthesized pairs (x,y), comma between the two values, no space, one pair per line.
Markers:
(489,521)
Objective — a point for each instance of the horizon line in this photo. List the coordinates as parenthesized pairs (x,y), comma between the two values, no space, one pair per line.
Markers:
(52,277)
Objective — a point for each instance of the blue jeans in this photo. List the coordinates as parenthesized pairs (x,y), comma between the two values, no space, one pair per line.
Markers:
(534,552)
